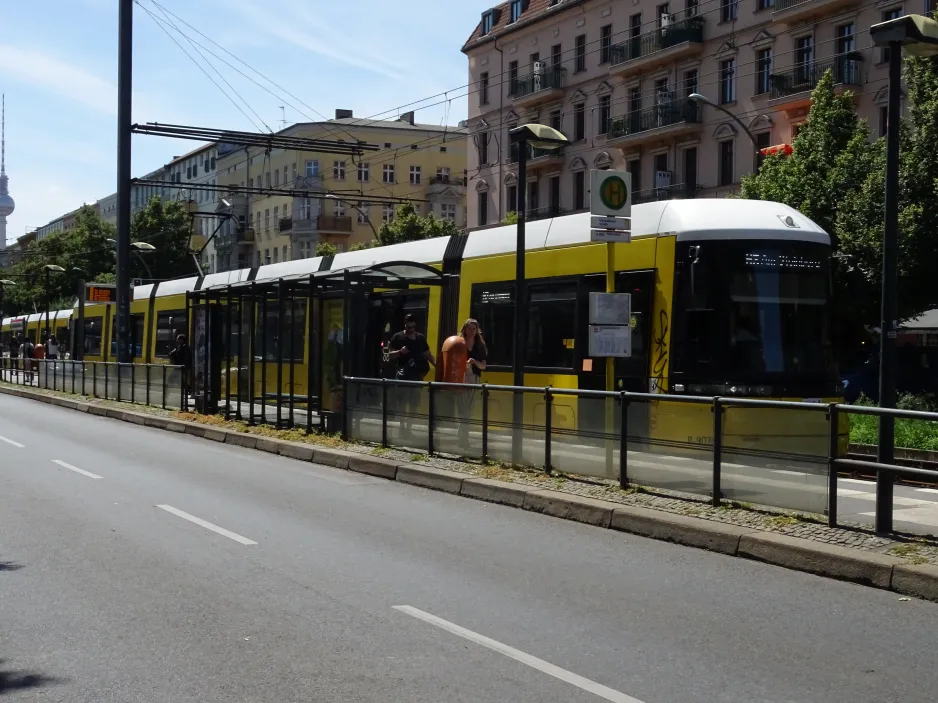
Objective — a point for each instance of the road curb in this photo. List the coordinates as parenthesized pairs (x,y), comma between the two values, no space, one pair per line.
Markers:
(842,563)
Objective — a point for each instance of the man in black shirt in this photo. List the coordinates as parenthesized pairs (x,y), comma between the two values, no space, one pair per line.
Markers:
(411,351)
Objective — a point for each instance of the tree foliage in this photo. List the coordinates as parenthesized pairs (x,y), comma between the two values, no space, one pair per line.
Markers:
(326,249)
(85,253)
(836,176)
(408,226)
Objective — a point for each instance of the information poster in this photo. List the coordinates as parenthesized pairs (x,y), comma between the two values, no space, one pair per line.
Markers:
(332,353)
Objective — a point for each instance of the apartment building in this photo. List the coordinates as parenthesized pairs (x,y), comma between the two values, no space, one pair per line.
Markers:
(199,168)
(614,76)
(419,162)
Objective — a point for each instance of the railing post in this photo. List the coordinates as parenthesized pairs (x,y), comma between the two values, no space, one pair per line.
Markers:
(163,399)
(133,383)
(183,401)
(384,412)
(118,381)
(549,403)
(485,424)
(94,379)
(345,401)
(107,380)
(623,440)
(430,411)
(717,449)
(833,448)
(148,368)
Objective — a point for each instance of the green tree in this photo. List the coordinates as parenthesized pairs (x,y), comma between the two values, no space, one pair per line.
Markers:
(167,226)
(408,226)
(326,249)
(511,218)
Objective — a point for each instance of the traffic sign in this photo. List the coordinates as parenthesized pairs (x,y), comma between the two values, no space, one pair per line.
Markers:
(620,223)
(613,236)
(610,193)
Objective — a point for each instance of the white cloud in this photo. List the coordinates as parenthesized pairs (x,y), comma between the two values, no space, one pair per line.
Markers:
(62,78)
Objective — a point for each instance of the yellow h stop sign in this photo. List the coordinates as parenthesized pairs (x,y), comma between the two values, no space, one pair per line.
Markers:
(614,193)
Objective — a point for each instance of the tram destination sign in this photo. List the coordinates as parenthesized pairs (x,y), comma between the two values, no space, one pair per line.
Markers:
(100,293)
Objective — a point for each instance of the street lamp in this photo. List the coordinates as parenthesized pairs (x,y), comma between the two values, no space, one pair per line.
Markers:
(919,36)
(333,196)
(49,269)
(541,137)
(138,248)
(704,100)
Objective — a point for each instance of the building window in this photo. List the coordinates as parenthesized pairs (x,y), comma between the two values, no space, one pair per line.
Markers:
(579,190)
(663,14)
(690,8)
(484,88)
(488,22)
(364,173)
(635,100)
(512,198)
(846,38)
(883,120)
(532,205)
(556,55)
(516,10)
(553,195)
(580,61)
(267,179)
(634,167)
(276,255)
(763,141)
(512,77)
(277,216)
(763,71)
(312,168)
(605,43)
(415,175)
(443,173)
(387,173)
(579,122)
(276,177)
(483,144)
(726,163)
(555,119)
(605,105)
(764,4)
(387,213)
(267,219)
(338,170)
(690,83)
(266,256)
(728,10)
(727,81)
(363,208)
(483,209)
(338,209)
(804,59)
(892,14)
(448,211)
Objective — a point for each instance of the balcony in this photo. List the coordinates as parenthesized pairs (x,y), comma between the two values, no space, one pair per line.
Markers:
(796,11)
(792,89)
(537,88)
(437,185)
(544,213)
(677,191)
(667,119)
(676,41)
(303,226)
(334,223)
(285,224)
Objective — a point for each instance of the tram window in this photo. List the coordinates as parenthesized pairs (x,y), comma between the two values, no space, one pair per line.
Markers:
(493,305)
(93,337)
(169,325)
(551,325)
(272,331)
(136,335)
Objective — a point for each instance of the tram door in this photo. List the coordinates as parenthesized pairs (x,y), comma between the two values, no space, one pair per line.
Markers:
(385,318)
(631,374)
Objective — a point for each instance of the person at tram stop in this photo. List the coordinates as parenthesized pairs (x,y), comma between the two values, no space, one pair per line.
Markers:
(52,348)
(411,351)
(181,356)
(27,349)
(476,349)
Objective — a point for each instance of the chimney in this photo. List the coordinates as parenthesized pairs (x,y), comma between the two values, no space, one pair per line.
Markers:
(407,117)
(343,114)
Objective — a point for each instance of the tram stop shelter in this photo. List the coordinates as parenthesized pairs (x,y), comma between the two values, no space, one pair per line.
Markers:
(258,356)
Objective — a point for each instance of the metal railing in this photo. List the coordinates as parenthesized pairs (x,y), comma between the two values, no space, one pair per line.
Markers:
(681,32)
(676,190)
(665,114)
(335,223)
(548,79)
(804,77)
(791,462)
(159,385)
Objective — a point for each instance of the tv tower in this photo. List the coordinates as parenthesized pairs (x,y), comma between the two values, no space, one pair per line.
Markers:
(6,202)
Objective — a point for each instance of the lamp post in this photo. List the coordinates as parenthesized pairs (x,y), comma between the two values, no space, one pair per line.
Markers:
(333,196)
(919,36)
(138,248)
(542,137)
(49,269)
(704,100)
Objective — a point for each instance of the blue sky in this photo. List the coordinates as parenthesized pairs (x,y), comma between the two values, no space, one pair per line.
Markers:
(58,68)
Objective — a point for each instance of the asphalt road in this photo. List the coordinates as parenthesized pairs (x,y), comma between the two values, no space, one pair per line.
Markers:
(264,579)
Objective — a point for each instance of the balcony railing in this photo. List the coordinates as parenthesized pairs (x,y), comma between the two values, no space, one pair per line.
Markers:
(665,114)
(286,224)
(447,181)
(335,223)
(544,213)
(684,31)
(804,77)
(549,79)
(677,190)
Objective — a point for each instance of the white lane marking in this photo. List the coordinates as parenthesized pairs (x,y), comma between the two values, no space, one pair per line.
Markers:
(10,441)
(926,490)
(788,472)
(207,525)
(920,515)
(76,469)
(868,484)
(581,682)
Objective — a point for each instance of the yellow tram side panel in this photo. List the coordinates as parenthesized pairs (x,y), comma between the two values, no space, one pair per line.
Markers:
(161,304)
(636,255)
(98,318)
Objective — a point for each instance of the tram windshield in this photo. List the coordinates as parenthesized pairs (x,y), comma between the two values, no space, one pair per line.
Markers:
(753,313)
